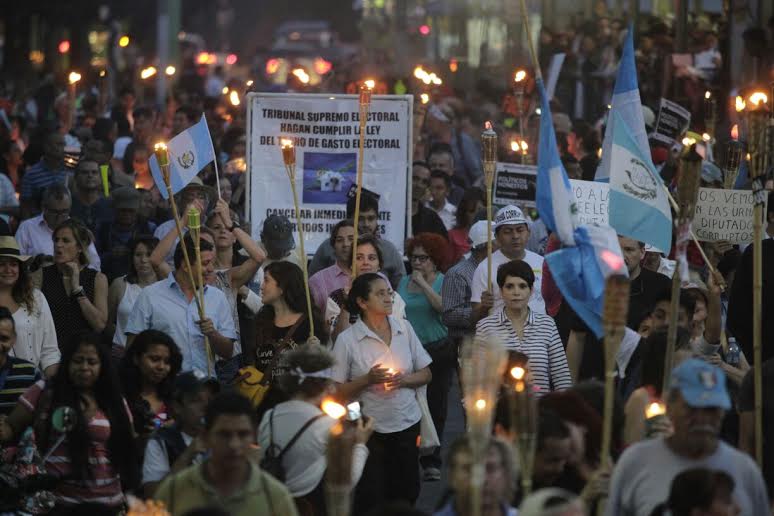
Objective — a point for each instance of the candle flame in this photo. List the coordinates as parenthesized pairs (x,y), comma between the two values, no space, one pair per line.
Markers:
(739,103)
(538,111)
(518,372)
(286,143)
(74,77)
(599,153)
(524,146)
(480,404)
(519,76)
(758,98)
(170,70)
(514,146)
(249,83)
(147,73)
(706,137)
(333,409)
(419,72)
(369,83)
(520,386)
(233,97)
(160,146)
(687,142)
(748,157)
(655,409)
(735,132)
(707,94)
(301,75)
(425,98)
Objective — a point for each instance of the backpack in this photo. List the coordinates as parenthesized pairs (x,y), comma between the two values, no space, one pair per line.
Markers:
(271,462)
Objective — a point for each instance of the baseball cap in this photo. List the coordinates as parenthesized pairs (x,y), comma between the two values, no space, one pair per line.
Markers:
(701,384)
(509,215)
(191,382)
(477,234)
(278,233)
(648,117)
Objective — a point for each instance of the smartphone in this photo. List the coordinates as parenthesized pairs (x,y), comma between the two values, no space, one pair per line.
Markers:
(353,411)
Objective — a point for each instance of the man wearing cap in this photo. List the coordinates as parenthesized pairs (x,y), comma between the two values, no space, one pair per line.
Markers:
(696,404)
(512,233)
(36,235)
(114,238)
(89,206)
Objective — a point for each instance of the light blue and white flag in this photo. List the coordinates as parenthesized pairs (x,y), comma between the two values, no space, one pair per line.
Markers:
(590,253)
(189,152)
(638,205)
(626,102)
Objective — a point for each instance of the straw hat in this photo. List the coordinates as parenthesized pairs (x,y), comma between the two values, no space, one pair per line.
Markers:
(10,248)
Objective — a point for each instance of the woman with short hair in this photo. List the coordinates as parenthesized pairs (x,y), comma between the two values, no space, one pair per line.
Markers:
(521,329)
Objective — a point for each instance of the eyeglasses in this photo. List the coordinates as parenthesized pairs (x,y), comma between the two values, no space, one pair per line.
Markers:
(421,258)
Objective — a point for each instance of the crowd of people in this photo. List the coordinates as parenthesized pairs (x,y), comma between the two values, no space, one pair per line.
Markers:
(115,381)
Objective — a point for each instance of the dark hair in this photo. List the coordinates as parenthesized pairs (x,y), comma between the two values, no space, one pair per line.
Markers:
(345,223)
(441,148)
(189,247)
(142,112)
(440,174)
(62,392)
(367,203)
(593,393)
(436,247)
(685,301)
(229,403)
(696,488)
(82,235)
(129,152)
(420,163)
(361,289)
(653,353)
(515,268)
(189,111)
(131,379)
(770,206)
(148,241)
(550,426)
(23,291)
(312,358)
(371,240)
(56,191)
(571,407)
(5,314)
(470,198)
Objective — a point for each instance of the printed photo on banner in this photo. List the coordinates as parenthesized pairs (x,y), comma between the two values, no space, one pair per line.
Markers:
(325,132)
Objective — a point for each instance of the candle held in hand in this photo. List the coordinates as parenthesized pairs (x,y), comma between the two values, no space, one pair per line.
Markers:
(655,409)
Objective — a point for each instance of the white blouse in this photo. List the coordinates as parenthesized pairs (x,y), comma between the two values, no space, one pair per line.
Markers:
(124,310)
(35,334)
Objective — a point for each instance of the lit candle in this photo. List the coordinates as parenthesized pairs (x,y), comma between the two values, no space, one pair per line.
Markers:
(519,76)
(480,404)
(489,143)
(518,373)
(735,132)
(514,146)
(739,104)
(758,98)
(425,98)
(655,409)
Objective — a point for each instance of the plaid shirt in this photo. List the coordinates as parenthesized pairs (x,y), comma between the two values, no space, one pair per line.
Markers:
(455,296)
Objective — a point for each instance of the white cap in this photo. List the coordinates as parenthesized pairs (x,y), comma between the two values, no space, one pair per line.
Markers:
(477,234)
(509,215)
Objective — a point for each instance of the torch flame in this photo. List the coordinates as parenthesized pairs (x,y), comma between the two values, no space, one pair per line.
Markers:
(425,98)
(739,103)
(74,77)
(369,83)
(707,94)
(735,132)
(758,98)
(706,137)
(234,98)
(655,409)
(333,409)
(524,146)
(480,404)
(301,75)
(518,373)
(687,142)
(519,76)
(514,146)
(286,143)
(419,72)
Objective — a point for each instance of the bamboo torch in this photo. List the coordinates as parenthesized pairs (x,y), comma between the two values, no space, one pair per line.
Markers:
(489,159)
(524,424)
(364,103)
(194,229)
(420,109)
(757,122)
(614,314)
(687,192)
(289,158)
(710,119)
(733,159)
(482,363)
(338,476)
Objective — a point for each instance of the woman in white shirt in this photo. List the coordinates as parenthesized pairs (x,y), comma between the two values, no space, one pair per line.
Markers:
(36,339)
(125,290)
(381,362)
(307,383)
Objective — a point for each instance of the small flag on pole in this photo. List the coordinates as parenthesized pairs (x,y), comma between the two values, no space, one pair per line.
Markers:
(189,152)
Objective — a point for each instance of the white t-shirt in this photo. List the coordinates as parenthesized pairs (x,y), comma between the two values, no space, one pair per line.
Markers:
(643,477)
(478,285)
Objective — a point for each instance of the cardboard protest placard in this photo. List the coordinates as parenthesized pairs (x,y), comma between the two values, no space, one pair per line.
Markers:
(672,121)
(724,215)
(515,184)
(325,132)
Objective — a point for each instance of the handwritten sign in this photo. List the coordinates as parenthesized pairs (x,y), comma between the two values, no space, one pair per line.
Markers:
(724,215)
(591,198)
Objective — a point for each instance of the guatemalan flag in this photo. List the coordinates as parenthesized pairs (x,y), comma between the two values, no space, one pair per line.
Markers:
(590,253)
(626,102)
(189,152)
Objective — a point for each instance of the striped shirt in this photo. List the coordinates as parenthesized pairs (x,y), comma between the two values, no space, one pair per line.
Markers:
(37,178)
(16,376)
(455,297)
(103,486)
(541,344)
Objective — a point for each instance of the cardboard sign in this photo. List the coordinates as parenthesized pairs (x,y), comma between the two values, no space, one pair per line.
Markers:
(724,215)
(591,198)
(515,184)
(672,121)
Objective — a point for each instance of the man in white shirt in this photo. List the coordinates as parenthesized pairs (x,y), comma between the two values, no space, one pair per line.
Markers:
(440,184)
(696,404)
(170,306)
(36,235)
(512,233)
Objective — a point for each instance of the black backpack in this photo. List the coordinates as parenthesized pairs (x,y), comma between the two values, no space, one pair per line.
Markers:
(271,462)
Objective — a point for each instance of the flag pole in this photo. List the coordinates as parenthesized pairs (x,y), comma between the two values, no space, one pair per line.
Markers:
(194,228)
(364,103)
(535,62)
(214,157)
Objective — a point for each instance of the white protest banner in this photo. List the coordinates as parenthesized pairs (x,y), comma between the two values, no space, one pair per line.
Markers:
(672,121)
(325,132)
(724,215)
(591,198)
(515,184)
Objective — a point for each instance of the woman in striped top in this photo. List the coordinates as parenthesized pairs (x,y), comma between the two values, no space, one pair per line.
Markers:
(97,461)
(523,330)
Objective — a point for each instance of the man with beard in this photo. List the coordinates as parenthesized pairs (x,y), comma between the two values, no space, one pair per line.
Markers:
(696,404)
